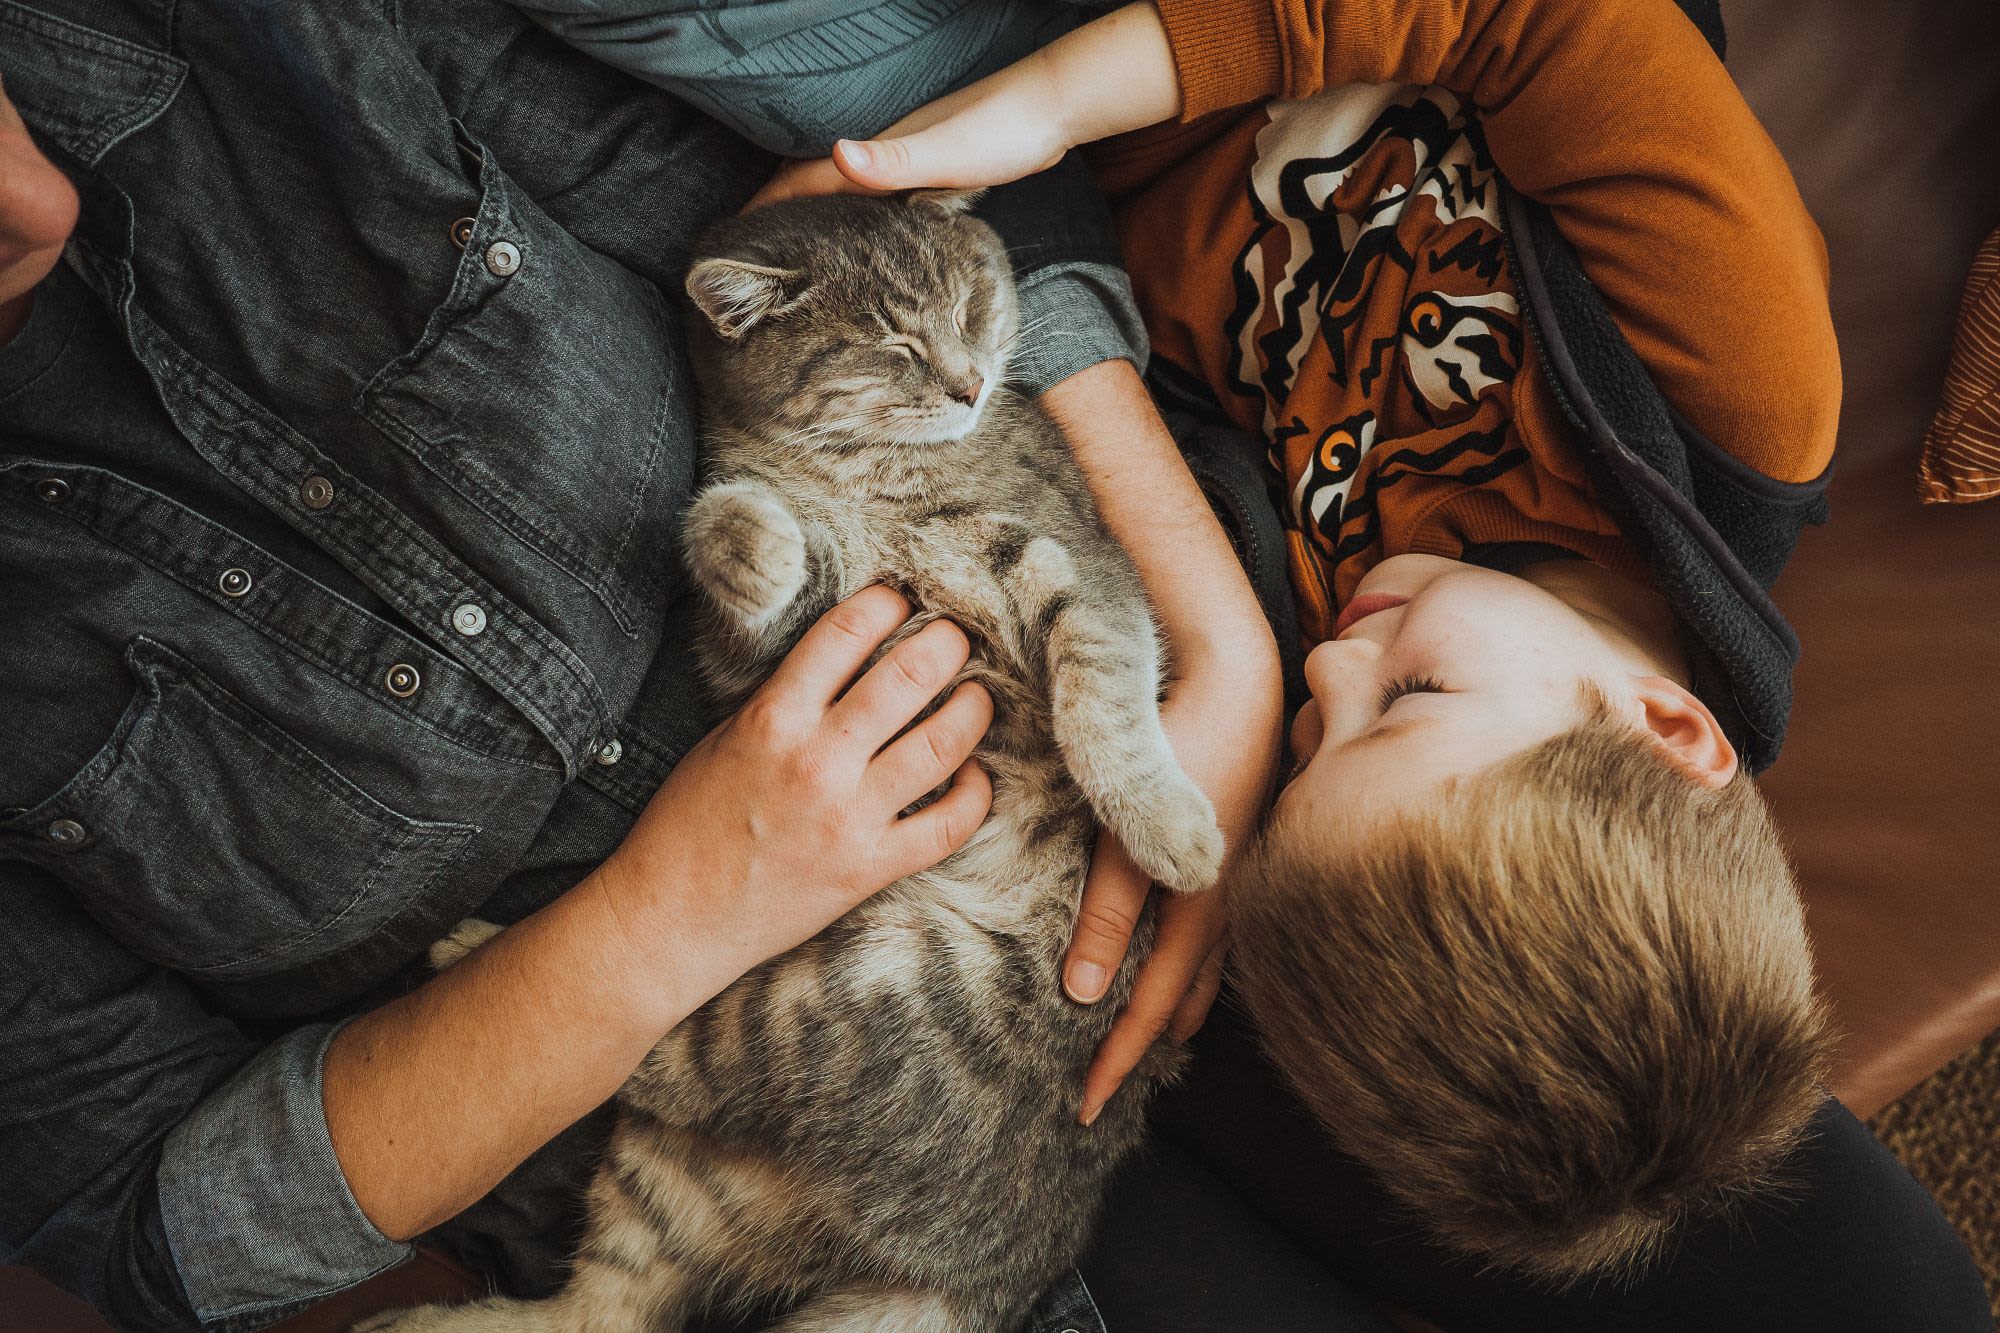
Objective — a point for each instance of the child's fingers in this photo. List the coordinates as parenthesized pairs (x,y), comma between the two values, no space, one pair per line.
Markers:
(1186,950)
(1194,1006)
(1114,894)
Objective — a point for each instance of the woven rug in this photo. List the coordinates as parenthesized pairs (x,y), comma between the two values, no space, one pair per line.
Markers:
(1946,1130)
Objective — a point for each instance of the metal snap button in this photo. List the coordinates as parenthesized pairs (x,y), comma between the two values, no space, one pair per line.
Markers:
(468,619)
(461,232)
(316,492)
(402,680)
(612,752)
(52,490)
(502,259)
(66,833)
(234,582)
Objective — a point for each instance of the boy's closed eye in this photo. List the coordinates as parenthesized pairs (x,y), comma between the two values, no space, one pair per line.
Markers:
(1413,684)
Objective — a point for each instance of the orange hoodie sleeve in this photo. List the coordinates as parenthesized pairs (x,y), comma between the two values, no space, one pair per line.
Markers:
(1618,116)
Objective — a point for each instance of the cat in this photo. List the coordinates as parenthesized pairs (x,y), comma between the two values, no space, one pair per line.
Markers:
(878,1129)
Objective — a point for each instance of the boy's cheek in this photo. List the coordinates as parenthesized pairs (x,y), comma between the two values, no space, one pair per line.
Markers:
(1307,728)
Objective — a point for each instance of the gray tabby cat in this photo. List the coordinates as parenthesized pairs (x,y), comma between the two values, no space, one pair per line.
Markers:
(878,1128)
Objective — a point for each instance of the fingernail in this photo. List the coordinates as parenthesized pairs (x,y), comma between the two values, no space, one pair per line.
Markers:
(1092,1110)
(857,153)
(1084,983)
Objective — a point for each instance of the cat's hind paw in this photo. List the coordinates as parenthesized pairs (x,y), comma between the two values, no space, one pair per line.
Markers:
(1171,834)
(746,550)
(466,936)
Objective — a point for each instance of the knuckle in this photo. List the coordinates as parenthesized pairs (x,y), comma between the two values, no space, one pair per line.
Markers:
(1107,925)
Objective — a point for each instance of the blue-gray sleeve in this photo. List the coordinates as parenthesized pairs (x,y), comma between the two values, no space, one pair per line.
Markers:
(795,75)
(154,1159)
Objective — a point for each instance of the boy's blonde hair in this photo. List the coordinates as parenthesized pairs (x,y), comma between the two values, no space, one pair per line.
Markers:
(1560,1012)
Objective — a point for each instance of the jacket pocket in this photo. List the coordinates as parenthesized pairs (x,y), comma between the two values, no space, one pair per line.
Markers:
(540,391)
(82,88)
(206,839)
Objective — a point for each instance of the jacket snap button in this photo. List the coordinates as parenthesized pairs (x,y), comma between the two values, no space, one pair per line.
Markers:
(52,490)
(402,680)
(502,259)
(316,493)
(461,232)
(468,619)
(234,582)
(612,752)
(65,833)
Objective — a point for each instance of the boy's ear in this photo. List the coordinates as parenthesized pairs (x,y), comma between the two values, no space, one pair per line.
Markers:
(951,201)
(1694,740)
(735,293)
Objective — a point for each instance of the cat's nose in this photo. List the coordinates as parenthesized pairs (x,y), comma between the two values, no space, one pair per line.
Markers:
(968,393)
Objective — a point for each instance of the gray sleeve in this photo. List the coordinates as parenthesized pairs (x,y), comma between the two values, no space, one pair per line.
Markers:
(154,1159)
(1076,303)
(794,75)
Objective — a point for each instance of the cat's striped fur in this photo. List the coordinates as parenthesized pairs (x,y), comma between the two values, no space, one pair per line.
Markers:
(878,1129)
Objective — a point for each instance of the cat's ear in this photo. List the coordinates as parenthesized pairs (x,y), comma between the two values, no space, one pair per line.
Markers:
(735,293)
(951,201)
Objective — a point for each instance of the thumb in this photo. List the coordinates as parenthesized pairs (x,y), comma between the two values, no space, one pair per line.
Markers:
(929,158)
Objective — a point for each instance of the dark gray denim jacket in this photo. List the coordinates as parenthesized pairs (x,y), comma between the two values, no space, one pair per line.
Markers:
(340,469)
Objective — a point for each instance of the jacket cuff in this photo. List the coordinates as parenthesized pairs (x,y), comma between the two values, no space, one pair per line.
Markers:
(1226,52)
(1077,314)
(256,1209)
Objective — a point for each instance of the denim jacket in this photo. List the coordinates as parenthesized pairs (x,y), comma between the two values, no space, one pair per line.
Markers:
(341,465)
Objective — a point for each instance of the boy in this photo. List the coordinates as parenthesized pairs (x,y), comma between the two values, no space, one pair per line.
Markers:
(1520,931)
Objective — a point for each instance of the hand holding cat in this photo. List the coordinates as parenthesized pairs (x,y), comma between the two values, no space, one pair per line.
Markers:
(1180,980)
(788,814)
(1113,74)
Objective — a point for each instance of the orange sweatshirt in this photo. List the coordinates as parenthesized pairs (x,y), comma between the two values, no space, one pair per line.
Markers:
(1330,265)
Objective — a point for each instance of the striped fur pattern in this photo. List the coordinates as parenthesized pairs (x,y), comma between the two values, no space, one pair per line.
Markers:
(877,1131)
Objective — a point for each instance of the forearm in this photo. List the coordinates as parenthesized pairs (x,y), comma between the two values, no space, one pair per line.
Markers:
(433,1098)
(1152,505)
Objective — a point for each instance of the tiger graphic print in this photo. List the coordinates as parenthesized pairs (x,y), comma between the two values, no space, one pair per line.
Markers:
(1376,326)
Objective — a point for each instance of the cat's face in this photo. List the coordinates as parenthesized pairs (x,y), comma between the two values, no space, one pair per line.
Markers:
(847,319)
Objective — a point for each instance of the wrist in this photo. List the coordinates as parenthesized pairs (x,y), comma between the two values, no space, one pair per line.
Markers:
(658,952)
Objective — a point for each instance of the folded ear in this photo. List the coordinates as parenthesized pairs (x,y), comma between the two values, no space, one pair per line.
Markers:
(951,201)
(735,293)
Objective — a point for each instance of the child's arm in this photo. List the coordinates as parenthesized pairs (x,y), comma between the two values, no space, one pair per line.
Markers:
(1613,112)
(1111,75)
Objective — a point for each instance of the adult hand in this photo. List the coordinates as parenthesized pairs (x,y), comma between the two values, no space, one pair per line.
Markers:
(790,813)
(37,213)
(1235,764)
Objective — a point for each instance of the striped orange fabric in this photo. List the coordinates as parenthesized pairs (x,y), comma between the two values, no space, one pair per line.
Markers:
(1961,459)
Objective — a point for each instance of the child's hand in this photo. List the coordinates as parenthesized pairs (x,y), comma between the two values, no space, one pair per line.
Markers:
(1111,75)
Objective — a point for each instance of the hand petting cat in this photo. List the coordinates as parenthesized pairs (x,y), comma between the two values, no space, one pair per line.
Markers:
(1223,711)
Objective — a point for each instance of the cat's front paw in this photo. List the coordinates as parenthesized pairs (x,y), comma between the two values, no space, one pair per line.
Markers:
(746,550)
(1172,835)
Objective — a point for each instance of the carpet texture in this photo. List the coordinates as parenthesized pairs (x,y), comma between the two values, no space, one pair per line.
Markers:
(1946,1130)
